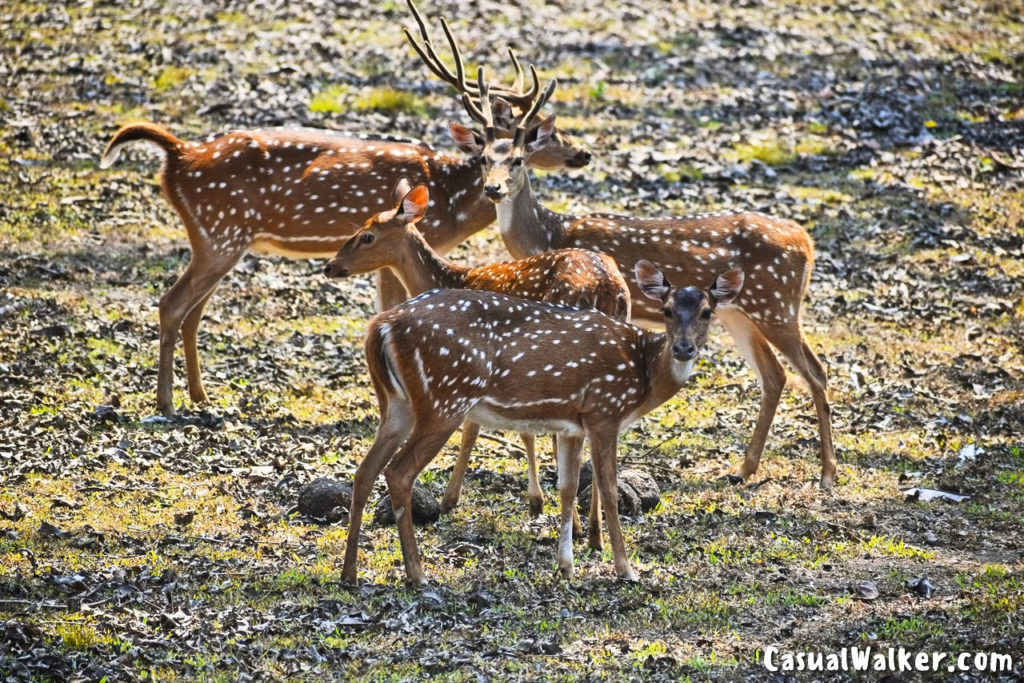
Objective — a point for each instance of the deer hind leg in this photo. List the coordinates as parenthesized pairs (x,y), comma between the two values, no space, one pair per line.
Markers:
(470,432)
(420,448)
(603,455)
(394,428)
(189,341)
(188,293)
(771,375)
(790,341)
(569,453)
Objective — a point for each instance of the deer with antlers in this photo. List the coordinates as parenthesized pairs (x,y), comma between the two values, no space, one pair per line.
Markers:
(569,277)
(527,366)
(776,254)
(300,193)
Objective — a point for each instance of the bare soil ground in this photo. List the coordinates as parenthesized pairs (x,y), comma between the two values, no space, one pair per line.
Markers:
(134,548)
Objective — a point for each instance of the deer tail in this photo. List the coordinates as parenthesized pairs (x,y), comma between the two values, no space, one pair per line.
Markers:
(142,131)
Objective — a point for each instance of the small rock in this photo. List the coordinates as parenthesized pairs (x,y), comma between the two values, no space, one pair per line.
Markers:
(644,485)
(184,518)
(321,497)
(54,331)
(921,586)
(638,491)
(51,531)
(425,508)
(866,590)
(629,500)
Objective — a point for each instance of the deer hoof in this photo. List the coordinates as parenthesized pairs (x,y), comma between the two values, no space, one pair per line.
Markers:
(629,576)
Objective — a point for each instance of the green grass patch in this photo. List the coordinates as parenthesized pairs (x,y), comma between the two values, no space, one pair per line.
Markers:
(389,100)
(330,100)
(172,77)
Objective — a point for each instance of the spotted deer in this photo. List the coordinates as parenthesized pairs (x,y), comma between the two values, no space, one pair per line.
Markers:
(776,254)
(300,193)
(527,366)
(570,277)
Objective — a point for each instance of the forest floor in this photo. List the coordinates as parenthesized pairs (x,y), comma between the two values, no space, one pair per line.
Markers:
(134,547)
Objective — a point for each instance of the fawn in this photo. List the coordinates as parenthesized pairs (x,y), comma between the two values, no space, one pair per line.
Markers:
(453,355)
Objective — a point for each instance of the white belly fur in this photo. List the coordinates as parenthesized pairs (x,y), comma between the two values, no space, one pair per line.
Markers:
(483,415)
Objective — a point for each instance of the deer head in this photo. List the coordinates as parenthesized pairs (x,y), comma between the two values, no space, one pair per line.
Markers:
(361,252)
(505,161)
(687,310)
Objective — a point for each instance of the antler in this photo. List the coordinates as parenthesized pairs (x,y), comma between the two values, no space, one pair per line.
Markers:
(514,95)
(520,135)
(483,112)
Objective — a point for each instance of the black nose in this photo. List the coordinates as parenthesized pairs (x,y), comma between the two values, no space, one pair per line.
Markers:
(330,270)
(684,350)
(579,160)
(494,192)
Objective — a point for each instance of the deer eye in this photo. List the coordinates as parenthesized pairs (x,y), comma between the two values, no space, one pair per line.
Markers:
(667,312)
(367,238)
(517,162)
(706,314)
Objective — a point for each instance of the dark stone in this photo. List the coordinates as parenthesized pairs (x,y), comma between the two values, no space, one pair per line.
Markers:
(644,485)
(638,491)
(320,498)
(425,508)
(629,501)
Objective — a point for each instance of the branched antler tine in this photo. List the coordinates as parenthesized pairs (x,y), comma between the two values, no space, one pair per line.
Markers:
(428,55)
(518,97)
(539,103)
(459,69)
(518,83)
(471,109)
(485,104)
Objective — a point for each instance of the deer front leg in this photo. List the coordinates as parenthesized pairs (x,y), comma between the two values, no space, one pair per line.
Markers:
(390,291)
(594,521)
(569,457)
(533,491)
(602,452)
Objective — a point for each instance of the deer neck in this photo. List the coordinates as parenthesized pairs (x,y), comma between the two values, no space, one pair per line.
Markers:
(526,226)
(466,210)
(421,269)
(663,374)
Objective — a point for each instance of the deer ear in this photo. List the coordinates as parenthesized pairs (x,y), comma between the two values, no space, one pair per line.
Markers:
(651,280)
(544,130)
(401,189)
(466,139)
(502,114)
(727,287)
(414,204)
